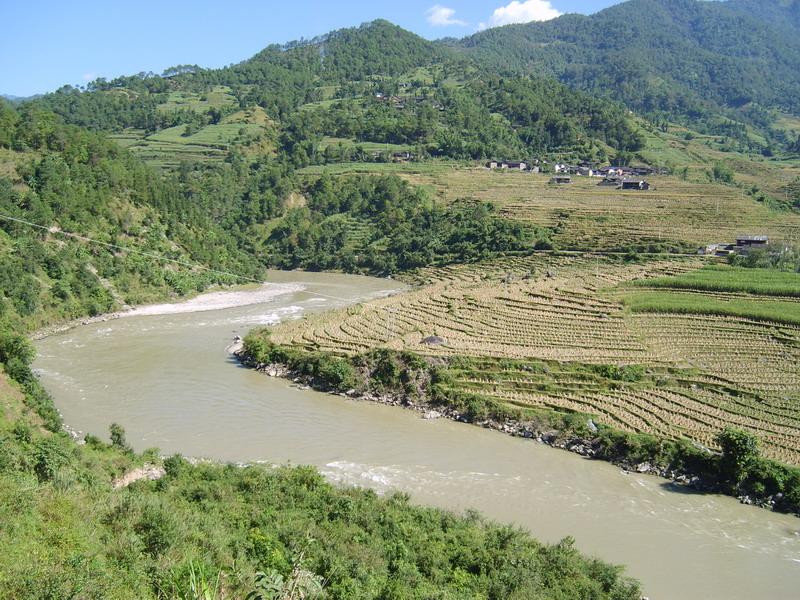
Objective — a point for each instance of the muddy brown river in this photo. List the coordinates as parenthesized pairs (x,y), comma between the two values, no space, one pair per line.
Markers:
(164,374)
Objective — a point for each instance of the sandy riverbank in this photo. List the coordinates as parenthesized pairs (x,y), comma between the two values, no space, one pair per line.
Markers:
(216,300)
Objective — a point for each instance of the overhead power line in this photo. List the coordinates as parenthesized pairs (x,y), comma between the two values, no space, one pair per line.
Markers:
(152,255)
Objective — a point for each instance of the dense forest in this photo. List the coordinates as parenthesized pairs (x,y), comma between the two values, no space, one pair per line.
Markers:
(68,180)
(684,59)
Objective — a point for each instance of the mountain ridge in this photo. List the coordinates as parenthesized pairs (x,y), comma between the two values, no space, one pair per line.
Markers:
(678,57)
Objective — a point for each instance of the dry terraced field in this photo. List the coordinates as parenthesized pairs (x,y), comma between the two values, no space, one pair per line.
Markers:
(703,371)
(586,216)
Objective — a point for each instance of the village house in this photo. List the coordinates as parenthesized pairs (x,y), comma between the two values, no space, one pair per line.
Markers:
(745,243)
(403,156)
(721,249)
(502,164)
(611,181)
(635,184)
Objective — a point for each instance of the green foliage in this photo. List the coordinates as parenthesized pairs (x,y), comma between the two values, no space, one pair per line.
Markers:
(79,182)
(785,258)
(722,278)
(739,453)
(722,173)
(702,304)
(699,62)
(49,454)
(628,373)
(401,229)
(118,440)
(389,87)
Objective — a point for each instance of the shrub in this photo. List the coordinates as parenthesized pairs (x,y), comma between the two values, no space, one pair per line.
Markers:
(739,454)
(118,440)
(337,373)
(156,527)
(49,455)
(175,465)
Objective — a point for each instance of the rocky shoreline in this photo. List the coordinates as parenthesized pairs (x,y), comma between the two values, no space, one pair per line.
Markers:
(584,446)
(57,328)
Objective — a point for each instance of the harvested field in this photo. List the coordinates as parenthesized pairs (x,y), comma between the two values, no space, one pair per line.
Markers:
(676,214)
(513,315)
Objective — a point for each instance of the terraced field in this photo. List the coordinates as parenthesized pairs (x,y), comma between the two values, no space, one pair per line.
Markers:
(514,315)
(586,216)
(169,147)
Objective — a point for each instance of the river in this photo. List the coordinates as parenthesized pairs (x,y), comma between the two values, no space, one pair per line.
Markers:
(163,373)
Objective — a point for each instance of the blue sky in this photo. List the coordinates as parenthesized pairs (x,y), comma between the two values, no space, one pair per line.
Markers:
(46,44)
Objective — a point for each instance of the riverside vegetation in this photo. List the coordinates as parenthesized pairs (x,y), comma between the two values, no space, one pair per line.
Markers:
(622,347)
(211,531)
(206,530)
(574,357)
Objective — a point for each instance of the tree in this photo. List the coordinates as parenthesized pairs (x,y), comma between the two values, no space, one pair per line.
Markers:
(739,453)
(722,173)
(118,437)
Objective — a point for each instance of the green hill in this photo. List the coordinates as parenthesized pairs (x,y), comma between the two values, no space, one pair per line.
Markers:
(686,59)
(374,84)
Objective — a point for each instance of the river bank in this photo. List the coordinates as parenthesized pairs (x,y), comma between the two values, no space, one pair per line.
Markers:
(696,470)
(220,299)
(169,382)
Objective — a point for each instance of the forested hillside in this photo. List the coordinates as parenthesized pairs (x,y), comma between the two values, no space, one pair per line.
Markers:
(66,180)
(777,13)
(186,230)
(684,59)
(343,96)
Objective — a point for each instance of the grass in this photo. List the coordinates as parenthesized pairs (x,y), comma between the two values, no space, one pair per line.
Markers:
(723,278)
(701,304)
(168,147)
(367,146)
(217,97)
(210,135)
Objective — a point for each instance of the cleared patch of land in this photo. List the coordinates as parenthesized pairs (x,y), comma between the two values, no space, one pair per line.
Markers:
(250,129)
(536,330)
(217,97)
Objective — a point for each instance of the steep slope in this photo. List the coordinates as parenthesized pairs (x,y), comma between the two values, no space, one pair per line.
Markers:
(682,57)
(777,13)
(58,180)
(376,84)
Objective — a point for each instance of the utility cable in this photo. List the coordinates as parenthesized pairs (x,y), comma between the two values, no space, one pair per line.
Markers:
(155,256)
